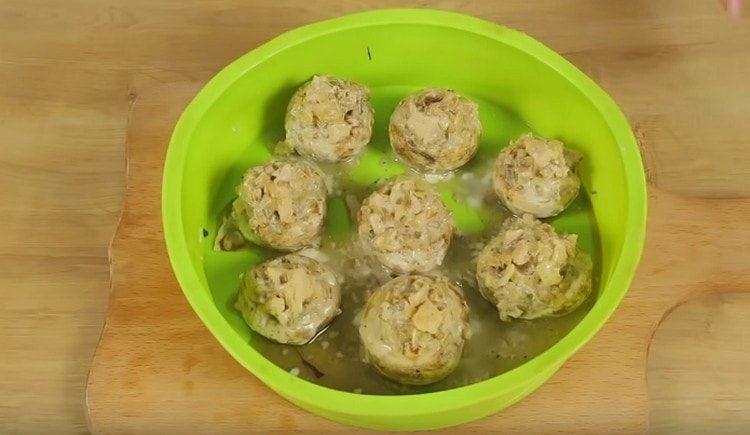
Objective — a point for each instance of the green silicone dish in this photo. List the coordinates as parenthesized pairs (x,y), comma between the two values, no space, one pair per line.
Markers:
(232,122)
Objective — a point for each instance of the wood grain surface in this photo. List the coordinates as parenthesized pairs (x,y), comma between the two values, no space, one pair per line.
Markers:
(69,74)
(154,350)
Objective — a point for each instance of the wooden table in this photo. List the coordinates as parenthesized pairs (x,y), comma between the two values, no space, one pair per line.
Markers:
(69,74)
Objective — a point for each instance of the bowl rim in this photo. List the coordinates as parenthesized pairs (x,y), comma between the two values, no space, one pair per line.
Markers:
(338,401)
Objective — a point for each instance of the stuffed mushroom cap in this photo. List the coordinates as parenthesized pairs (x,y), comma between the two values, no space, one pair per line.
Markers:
(413,328)
(405,225)
(530,271)
(329,119)
(282,204)
(289,299)
(536,176)
(435,130)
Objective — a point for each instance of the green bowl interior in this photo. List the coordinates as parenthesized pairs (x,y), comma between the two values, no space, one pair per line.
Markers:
(520,86)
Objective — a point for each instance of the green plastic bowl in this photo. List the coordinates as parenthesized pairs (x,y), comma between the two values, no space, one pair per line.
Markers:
(239,113)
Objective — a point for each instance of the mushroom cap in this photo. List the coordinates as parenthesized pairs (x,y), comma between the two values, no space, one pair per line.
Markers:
(536,176)
(282,204)
(329,119)
(405,225)
(435,130)
(529,271)
(413,328)
(289,299)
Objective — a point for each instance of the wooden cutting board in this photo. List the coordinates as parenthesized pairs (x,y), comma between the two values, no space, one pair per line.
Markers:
(157,368)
